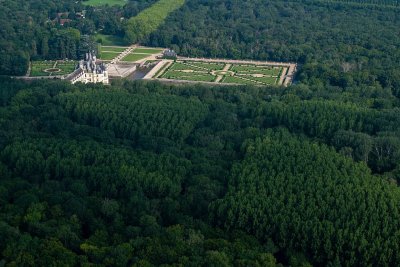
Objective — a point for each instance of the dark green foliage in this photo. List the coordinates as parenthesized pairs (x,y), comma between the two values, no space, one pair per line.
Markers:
(141,174)
(134,116)
(309,198)
(338,44)
(145,174)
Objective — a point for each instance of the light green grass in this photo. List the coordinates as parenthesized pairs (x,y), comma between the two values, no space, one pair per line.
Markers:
(38,68)
(176,74)
(104,2)
(188,76)
(148,50)
(108,55)
(265,80)
(253,69)
(135,57)
(113,49)
(233,79)
(243,73)
(66,67)
(183,66)
(109,40)
(206,65)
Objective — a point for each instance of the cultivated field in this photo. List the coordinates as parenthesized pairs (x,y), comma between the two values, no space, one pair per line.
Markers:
(51,68)
(237,72)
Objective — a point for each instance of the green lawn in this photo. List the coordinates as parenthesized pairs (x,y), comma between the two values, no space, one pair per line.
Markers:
(135,57)
(206,65)
(113,49)
(66,67)
(108,55)
(253,69)
(191,77)
(183,66)
(183,74)
(38,67)
(148,50)
(243,73)
(233,79)
(109,40)
(104,2)
(265,80)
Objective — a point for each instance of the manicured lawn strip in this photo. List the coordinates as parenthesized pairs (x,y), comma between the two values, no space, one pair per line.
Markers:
(113,49)
(66,67)
(104,2)
(148,50)
(135,57)
(182,66)
(184,74)
(233,79)
(38,67)
(269,72)
(266,80)
(108,55)
(266,70)
(199,78)
(161,71)
(209,66)
(178,75)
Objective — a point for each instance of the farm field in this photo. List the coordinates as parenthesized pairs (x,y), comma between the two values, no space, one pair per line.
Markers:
(220,72)
(104,2)
(51,68)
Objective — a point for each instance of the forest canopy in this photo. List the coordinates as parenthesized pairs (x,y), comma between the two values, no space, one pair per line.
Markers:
(149,174)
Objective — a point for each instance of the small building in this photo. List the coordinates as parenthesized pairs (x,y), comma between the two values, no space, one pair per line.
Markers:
(170,54)
(62,22)
(90,71)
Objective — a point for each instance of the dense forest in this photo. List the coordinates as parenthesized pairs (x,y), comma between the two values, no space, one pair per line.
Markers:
(149,174)
(146,174)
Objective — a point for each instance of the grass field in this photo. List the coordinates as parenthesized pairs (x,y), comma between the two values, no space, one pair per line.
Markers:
(38,68)
(212,72)
(148,50)
(135,57)
(104,2)
(108,55)
(113,49)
